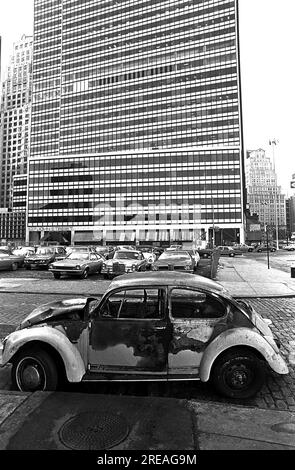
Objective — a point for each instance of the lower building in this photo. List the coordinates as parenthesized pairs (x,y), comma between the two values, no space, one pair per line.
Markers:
(12,227)
(157,196)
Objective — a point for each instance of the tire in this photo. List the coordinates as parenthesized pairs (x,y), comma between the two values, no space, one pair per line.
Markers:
(14,267)
(34,370)
(28,266)
(238,374)
(56,275)
(85,274)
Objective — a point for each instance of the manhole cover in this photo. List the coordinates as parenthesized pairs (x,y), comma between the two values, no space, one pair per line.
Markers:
(93,431)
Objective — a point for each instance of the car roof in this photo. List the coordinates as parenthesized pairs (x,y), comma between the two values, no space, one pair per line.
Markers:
(155,278)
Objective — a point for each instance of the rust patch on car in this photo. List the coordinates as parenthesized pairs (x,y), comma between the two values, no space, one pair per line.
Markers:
(144,346)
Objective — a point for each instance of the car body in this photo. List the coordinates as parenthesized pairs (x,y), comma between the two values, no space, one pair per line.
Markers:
(23,252)
(242,247)
(9,262)
(289,247)
(261,248)
(147,326)
(175,260)
(124,261)
(44,256)
(205,252)
(77,263)
(84,248)
(226,251)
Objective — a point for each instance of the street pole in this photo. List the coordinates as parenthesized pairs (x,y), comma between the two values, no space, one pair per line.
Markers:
(213,224)
(274,142)
(267,247)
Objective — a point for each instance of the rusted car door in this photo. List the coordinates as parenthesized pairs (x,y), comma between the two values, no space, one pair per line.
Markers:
(196,317)
(130,333)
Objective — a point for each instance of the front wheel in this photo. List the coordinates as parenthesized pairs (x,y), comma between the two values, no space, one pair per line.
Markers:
(34,370)
(238,374)
(85,274)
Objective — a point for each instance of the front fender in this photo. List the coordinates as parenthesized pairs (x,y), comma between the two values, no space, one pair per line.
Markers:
(240,337)
(74,365)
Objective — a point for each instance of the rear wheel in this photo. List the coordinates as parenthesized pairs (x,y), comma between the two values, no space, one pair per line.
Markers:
(34,370)
(238,374)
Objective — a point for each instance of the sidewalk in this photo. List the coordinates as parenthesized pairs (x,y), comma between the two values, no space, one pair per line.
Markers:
(61,421)
(246,277)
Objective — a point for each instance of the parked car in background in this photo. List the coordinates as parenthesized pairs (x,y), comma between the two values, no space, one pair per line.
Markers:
(10,262)
(205,252)
(261,248)
(125,247)
(147,327)
(124,261)
(22,252)
(84,248)
(175,260)
(242,247)
(104,251)
(289,247)
(44,256)
(174,247)
(226,251)
(77,263)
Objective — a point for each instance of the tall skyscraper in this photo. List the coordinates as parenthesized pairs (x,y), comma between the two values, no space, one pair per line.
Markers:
(263,193)
(15,113)
(136,120)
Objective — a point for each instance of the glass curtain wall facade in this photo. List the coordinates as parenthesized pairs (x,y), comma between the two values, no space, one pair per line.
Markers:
(136,119)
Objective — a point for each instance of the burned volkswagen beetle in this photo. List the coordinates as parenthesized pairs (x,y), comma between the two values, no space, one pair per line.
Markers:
(147,326)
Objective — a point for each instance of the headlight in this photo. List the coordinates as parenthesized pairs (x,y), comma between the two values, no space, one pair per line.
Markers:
(78,267)
(50,266)
(133,267)
(104,265)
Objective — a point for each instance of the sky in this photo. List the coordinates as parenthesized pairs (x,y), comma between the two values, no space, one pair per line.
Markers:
(267,38)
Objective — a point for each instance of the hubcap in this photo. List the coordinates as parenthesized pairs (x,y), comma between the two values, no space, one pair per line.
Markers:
(239,377)
(30,375)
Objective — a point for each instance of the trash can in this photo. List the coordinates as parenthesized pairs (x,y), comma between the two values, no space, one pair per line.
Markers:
(293,270)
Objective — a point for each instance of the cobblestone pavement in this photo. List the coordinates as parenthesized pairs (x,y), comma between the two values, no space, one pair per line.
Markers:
(278,392)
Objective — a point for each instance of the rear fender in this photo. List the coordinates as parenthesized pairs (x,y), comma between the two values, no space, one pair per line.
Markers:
(74,365)
(240,337)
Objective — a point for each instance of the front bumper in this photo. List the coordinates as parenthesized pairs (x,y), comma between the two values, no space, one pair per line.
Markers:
(172,268)
(37,264)
(117,272)
(68,272)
